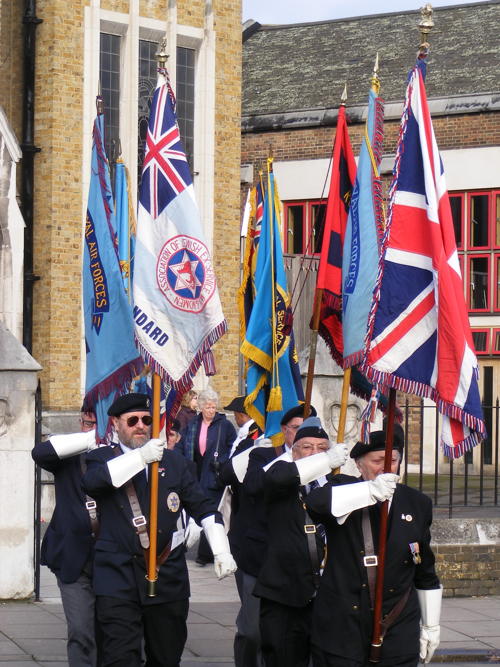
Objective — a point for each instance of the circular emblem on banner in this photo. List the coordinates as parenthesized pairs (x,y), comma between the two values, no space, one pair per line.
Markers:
(185,274)
(173,502)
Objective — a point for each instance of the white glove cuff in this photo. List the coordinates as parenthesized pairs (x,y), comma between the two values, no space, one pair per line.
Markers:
(124,467)
(349,497)
(72,443)
(430,605)
(312,467)
(240,464)
(216,535)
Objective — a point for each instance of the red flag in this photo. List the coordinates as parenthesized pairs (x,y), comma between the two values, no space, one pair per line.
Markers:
(330,263)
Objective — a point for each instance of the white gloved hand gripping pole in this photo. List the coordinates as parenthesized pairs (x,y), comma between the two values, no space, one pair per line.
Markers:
(124,467)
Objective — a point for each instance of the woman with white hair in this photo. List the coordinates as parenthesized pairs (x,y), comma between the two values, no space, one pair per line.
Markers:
(207,441)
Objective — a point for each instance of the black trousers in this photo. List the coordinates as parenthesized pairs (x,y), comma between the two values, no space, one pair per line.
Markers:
(324,659)
(285,634)
(124,623)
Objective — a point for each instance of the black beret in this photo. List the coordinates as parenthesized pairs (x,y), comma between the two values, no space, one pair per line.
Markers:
(237,404)
(130,403)
(175,426)
(311,428)
(297,411)
(377,443)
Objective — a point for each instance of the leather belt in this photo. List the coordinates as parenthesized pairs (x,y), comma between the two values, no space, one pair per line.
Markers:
(312,545)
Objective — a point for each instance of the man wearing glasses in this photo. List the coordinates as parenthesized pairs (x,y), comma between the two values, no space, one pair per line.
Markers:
(289,577)
(118,478)
(68,544)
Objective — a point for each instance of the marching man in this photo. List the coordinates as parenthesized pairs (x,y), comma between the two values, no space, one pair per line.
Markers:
(116,477)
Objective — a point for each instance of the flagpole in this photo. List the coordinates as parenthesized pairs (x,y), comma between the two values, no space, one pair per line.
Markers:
(152,574)
(318,297)
(426,24)
(377,638)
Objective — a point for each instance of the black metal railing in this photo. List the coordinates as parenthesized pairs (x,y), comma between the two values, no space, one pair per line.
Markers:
(461,487)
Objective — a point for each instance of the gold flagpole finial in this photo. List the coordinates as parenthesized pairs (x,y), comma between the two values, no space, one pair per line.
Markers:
(343,97)
(161,54)
(375,81)
(425,26)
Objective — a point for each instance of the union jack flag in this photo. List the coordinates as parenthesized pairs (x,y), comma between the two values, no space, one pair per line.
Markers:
(419,338)
(165,171)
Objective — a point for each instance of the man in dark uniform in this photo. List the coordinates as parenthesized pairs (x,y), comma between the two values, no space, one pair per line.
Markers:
(246,535)
(68,544)
(116,477)
(289,577)
(342,617)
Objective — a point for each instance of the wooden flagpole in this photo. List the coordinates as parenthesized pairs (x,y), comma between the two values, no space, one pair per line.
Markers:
(152,574)
(376,645)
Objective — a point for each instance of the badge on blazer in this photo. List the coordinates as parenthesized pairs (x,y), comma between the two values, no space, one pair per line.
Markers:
(173,502)
(407,517)
(415,552)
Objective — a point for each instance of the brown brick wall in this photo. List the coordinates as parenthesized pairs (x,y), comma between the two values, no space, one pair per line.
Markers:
(464,131)
(58,201)
(227,187)
(58,192)
(467,570)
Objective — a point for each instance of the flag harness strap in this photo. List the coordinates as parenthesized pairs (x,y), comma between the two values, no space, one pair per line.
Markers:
(140,522)
(90,504)
(370,561)
(312,545)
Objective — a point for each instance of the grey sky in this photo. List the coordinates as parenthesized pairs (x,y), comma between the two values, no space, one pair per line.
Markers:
(301,11)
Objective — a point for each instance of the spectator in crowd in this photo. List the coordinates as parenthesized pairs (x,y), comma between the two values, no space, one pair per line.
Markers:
(188,409)
(207,441)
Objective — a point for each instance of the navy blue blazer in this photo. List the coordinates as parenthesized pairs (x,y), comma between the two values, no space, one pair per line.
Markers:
(119,566)
(248,527)
(68,544)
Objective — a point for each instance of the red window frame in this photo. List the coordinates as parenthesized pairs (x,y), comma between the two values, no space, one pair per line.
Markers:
(470,257)
(307,206)
(471,194)
(461,196)
(487,331)
(496,284)
(493,338)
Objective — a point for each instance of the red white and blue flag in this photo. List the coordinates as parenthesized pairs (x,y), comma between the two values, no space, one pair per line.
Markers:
(177,309)
(419,338)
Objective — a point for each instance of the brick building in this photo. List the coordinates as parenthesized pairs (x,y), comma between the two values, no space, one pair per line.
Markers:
(78,44)
(293,77)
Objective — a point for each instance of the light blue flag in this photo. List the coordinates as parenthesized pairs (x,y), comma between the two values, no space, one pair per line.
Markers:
(273,378)
(362,237)
(125,229)
(112,359)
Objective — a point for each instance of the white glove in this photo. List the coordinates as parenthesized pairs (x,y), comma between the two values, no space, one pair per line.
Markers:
(430,611)
(191,533)
(224,564)
(312,467)
(124,467)
(73,443)
(337,455)
(383,487)
(152,451)
(264,442)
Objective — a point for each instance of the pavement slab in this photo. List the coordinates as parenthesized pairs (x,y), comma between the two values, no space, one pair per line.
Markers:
(33,633)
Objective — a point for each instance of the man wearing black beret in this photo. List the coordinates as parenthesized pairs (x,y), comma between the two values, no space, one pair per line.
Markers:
(117,478)
(289,577)
(343,611)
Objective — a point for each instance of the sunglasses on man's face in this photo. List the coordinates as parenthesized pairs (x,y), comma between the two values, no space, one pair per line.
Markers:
(147,420)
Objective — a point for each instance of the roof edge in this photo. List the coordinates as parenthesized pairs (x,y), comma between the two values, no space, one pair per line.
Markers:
(294,120)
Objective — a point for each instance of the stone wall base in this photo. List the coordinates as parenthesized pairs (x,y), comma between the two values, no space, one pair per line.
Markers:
(468,569)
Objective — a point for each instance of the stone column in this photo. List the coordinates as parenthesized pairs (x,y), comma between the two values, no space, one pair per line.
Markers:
(18,381)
